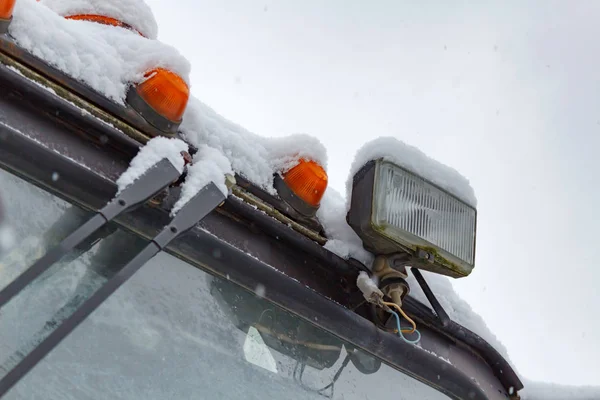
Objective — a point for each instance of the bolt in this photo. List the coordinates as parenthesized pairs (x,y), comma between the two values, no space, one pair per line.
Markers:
(422,254)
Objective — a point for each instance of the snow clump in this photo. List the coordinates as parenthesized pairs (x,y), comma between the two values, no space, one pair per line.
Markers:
(414,160)
(135,13)
(154,151)
(210,165)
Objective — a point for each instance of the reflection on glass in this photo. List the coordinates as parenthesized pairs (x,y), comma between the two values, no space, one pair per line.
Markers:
(36,311)
(257,352)
(28,213)
(7,238)
(172,331)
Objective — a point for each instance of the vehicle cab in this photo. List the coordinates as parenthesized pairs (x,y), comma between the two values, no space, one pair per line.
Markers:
(253,300)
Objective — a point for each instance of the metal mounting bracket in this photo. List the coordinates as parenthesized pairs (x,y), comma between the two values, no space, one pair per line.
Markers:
(437,307)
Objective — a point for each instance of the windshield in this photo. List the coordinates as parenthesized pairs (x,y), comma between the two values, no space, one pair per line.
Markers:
(172,331)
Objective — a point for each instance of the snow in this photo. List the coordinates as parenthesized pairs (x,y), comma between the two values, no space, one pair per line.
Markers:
(132,12)
(155,150)
(414,160)
(459,310)
(343,241)
(285,152)
(209,165)
(106,58)
(368,287)
(462,313)
(110,59)
(255,157)
(243,148)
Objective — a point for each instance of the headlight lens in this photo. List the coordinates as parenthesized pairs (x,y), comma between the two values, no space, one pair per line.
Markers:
(408,206)
(404,212)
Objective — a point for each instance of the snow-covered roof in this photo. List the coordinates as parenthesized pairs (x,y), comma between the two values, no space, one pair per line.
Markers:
(155,150)
(210,165)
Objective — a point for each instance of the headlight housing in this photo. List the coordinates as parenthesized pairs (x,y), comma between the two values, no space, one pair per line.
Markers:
(393,210)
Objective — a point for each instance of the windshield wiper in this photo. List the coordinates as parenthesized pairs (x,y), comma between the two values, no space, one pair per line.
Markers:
(147,186)
(205,201)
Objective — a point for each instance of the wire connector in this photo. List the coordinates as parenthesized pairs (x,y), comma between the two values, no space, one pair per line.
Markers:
(369,288)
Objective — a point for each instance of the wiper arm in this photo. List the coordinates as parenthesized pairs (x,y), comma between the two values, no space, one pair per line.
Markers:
(153,181)
(206,200)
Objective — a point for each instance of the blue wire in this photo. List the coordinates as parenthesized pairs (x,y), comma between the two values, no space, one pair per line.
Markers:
(400,330)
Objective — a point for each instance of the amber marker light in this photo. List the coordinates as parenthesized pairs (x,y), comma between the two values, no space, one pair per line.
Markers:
(308,181)
(166,92)
(6,12)
(100,19)
(161,99)
(6,9)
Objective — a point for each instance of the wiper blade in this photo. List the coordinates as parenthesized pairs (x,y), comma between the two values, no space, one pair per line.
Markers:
(205,201)
(153,181)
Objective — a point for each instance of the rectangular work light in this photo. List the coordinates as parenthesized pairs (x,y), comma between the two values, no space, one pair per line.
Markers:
(393,211)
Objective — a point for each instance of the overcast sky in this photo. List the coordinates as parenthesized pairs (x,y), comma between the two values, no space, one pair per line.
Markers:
(506,92)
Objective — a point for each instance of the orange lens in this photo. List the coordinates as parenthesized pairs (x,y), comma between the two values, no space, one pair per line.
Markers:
(166,93)
(100,19)
(308,180)
(6,8)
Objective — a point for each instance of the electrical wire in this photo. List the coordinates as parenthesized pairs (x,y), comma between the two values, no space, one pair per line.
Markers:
(400,331)
(299,372)
(335,378)
(401,311)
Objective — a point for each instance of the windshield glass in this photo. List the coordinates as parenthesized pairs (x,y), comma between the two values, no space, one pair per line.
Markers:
(172,331)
